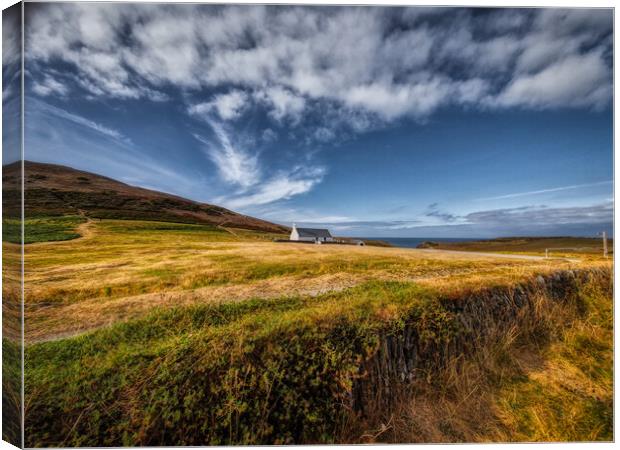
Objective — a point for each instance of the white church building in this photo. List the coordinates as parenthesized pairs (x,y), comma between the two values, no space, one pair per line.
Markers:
(316,235)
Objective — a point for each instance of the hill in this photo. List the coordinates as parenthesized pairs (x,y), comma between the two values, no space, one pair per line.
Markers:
(54,190)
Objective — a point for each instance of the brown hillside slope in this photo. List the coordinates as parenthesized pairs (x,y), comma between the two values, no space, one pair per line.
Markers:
(56,190)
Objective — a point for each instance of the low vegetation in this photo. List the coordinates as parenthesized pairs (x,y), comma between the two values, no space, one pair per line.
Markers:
(11,391)
(54,190)
(280,371)
(125,268)
(42,229)
(557,246)
(547,378)
(199,334)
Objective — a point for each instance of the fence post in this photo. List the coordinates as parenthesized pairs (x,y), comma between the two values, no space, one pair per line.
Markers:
(605,244)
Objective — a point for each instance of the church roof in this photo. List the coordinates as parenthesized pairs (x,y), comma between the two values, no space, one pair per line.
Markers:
(313,232)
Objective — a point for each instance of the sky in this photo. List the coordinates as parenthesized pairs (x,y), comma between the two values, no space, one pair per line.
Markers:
(371,121)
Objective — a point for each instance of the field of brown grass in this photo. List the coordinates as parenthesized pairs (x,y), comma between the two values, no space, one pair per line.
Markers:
(120,270)
(574,247)
(153,333)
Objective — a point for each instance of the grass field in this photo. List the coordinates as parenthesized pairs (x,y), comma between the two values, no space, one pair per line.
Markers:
(151,332)
(557,246)
(42,229)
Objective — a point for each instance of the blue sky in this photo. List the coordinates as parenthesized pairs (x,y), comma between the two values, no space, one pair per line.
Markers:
(372,121)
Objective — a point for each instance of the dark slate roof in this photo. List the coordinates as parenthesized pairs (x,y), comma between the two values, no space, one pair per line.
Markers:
(313,232)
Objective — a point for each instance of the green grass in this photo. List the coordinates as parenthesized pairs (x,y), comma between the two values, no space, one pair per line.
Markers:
(11,392)
(570,397)
(533,245)
(276,371)
(138,226)
(12,231)
(262,370)
(41,229)
(257,371)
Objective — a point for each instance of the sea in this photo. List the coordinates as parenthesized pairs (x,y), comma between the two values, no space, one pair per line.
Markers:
(414,242)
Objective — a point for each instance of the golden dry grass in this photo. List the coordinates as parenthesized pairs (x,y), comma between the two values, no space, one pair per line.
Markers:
(548,379)
(270,335)
(121,270)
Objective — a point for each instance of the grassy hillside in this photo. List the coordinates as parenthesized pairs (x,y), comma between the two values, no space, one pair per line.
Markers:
(53,190)
(150,333)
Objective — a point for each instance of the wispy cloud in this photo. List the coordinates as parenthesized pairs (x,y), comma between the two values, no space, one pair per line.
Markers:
(434,212)
(228,106)
(235,165)
(80,120)
(281,186)
(536,216)
(53,134)
(546,191)
(522,221)
(243,169)
(48,86)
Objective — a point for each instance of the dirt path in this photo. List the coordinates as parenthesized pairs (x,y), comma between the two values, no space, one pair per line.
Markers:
(85,229)
(222,227)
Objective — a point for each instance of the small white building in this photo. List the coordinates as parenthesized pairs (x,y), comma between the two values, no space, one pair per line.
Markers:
(316,235)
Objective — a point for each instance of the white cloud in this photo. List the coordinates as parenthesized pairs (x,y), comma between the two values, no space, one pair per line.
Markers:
(80,120)
(235,165)
(241,167)
(11,36)
(228,106)
(281,186)
(90,37)
(324,134)
(576,81)
(391,101)
(282,103)
(49,86)
(546,191)
(268,135)
(368,65)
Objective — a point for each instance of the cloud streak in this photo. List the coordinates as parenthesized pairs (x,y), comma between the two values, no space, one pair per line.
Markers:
(433,211)
(55,135)
(281,186)
(539,215)
(79,120)
(525,220)
(243,170)
(235,165)
(547,191)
